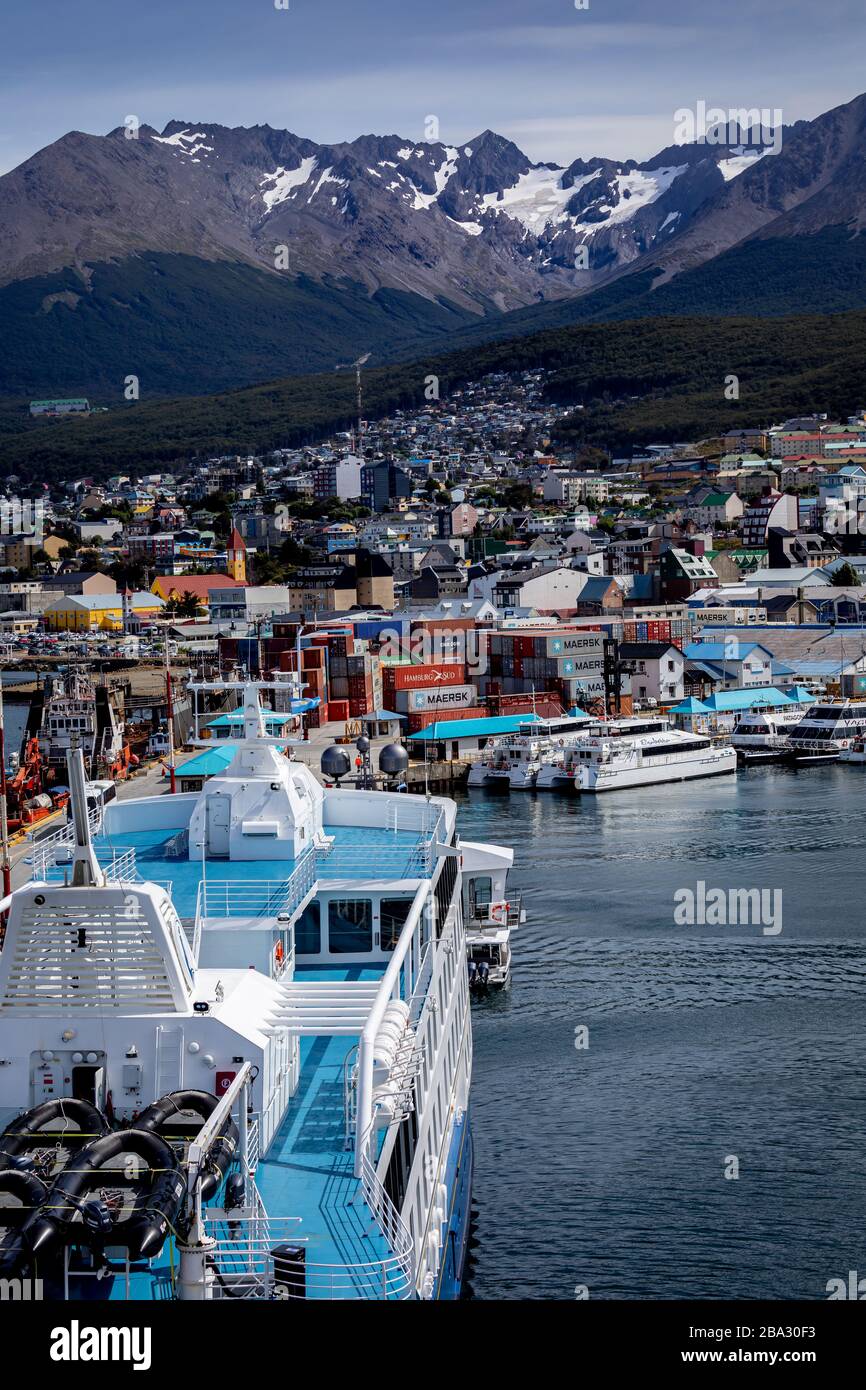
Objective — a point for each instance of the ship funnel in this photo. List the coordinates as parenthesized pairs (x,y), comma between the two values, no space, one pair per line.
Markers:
(86,872)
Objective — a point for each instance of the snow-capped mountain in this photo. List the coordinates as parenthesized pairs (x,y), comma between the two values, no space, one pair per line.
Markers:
(477,224)
(202,257)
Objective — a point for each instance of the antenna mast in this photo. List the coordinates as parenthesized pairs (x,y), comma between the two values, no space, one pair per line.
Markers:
(356,367)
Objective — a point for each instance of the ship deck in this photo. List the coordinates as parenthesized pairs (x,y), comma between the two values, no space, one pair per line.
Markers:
(362,853)
(308,1171)
(307,1176)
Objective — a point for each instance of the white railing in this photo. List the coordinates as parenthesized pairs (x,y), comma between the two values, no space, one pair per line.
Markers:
(388,1219)
(246,1263)
(122,866)
(398,982)
(254,1129)
(222,898)
(118,865)
(492,915)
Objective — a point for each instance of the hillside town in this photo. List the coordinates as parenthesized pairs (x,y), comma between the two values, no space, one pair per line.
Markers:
(453,566)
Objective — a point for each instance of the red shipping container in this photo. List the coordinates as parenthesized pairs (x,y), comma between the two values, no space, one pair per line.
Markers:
(425,677)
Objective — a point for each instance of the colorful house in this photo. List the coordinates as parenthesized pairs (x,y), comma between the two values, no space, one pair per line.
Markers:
(177,586)
(98,612)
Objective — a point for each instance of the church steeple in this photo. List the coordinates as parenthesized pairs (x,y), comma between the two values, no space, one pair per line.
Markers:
(236,557)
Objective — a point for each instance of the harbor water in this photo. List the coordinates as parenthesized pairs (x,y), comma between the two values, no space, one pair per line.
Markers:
(704,1137)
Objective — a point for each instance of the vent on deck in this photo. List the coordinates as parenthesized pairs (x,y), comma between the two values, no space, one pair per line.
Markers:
(85,958)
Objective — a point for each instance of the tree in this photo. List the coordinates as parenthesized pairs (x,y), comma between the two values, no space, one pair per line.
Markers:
(846,577)
(183,605)
(188,605)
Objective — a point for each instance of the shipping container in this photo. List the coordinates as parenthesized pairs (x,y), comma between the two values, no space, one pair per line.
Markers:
(446,697)
(422,719)
(421,677)
(575,644)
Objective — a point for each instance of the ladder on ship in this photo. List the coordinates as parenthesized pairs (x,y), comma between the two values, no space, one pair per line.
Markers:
(169,1059)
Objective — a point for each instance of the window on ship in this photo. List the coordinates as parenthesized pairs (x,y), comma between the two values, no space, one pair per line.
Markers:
(308,930)
(350,926)
(392,919)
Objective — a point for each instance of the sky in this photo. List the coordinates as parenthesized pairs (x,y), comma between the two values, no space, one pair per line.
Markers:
(561,82)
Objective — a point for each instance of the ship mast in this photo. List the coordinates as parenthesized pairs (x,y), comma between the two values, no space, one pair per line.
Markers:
(169,710)
(86,872)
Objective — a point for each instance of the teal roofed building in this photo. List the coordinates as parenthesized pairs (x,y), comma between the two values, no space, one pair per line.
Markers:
(452,738)
(719,712)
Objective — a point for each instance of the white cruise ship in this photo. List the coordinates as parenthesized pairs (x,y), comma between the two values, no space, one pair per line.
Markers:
(236,1038)
(609,764)
(829,728)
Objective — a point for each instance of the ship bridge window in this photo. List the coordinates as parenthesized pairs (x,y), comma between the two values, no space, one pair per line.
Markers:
(308,930)
(350,926)
(393,913)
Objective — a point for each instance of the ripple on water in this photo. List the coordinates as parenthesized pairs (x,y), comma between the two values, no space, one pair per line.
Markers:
(606,1166)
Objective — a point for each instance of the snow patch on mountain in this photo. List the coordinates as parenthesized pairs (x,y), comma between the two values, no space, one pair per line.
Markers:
(537,198)
(441,177)
(327,177)
(633,191)
(741,159)
(470,228)
(285,181)
(186,142)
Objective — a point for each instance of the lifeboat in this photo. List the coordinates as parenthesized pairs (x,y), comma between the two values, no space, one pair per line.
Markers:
(178,1117)
(89,1202)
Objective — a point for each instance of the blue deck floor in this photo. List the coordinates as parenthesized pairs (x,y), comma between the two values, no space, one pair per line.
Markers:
(359,852)
(308,1172)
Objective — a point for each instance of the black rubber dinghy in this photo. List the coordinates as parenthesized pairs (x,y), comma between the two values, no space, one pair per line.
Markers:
(75,1214)
(166,1118)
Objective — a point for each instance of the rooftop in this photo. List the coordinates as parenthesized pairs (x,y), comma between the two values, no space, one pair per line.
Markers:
(472,728)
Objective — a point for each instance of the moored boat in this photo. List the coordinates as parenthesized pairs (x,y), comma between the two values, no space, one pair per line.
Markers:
(830,728)
(610,764)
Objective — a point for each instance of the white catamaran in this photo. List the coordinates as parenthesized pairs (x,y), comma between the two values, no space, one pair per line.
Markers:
(514,761)
(609,764)
(235,1041)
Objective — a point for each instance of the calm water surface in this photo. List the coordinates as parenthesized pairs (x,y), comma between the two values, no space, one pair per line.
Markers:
(605,1167)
